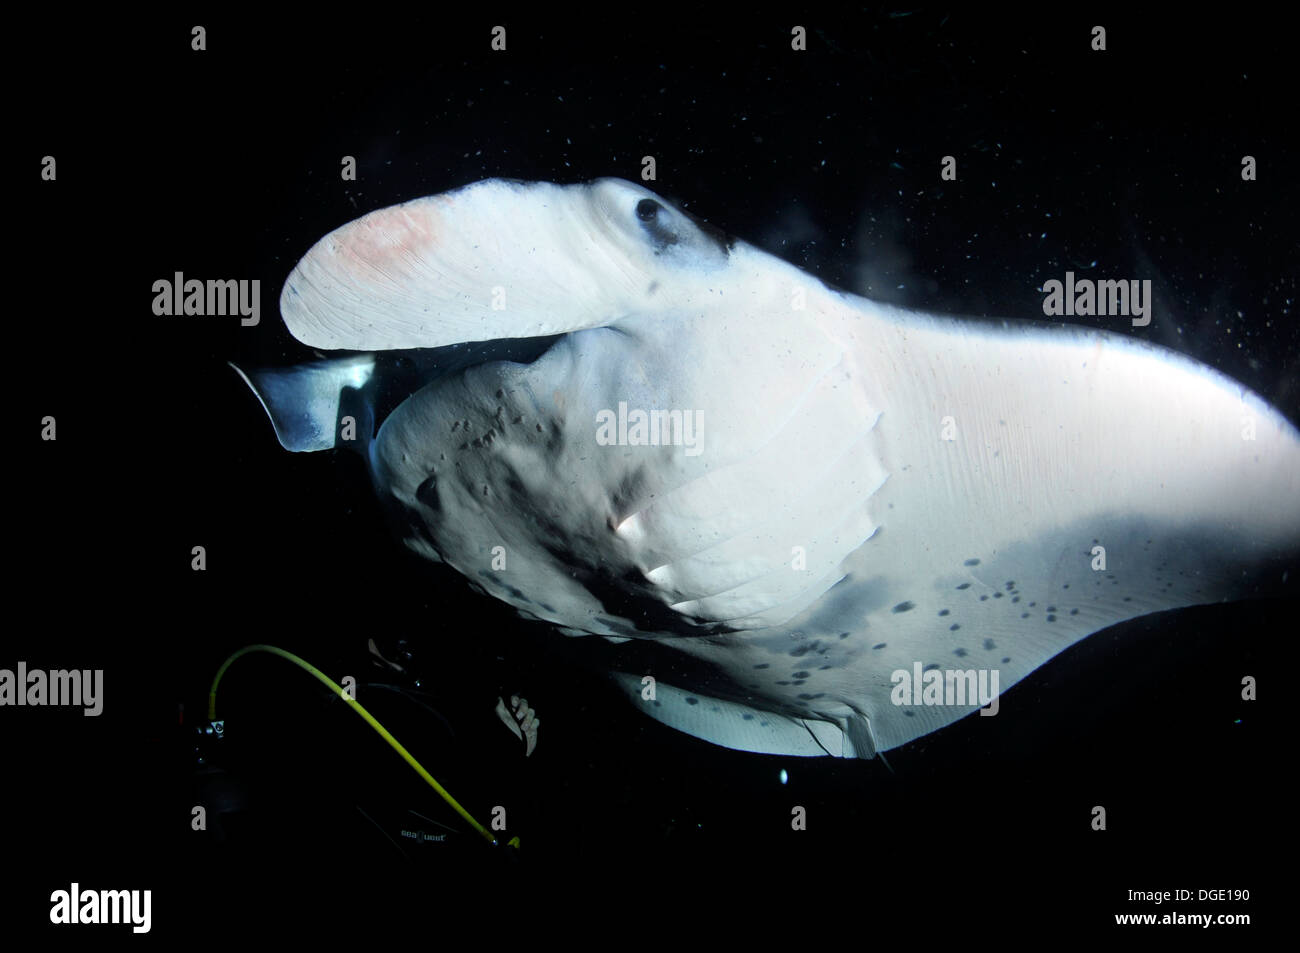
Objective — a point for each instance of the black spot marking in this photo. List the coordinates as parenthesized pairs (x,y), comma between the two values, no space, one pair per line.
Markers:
(647,210)
(971,562)
(1006,659)
(930,667)
(964,585)
(879,646)
(1051,608)
(801,651)
(747,717)
(1128,598)
(783,683)
(1066,586)
(692,701)
(763,665)
(954,627)
(943,612)
(1015,598)
(1074,612)
(659,704)
(984,598)
(799,675)
(1024,615)
(799,681)
(807,697)
(822,668)
(908,713)
(1051,618)
(904,607)
(762,724)
(997,595)
(960,653)
(989,645)
(1011,584)
(427,492)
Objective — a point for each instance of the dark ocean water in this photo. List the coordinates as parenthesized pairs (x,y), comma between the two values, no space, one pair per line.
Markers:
(225,163)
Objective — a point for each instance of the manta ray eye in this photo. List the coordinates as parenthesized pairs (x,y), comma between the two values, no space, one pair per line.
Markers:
(647,209)
(673,231)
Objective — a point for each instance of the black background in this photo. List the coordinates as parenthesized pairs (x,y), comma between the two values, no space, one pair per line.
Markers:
(226,164)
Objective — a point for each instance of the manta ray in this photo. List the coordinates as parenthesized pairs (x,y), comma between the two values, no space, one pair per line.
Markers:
(776,504)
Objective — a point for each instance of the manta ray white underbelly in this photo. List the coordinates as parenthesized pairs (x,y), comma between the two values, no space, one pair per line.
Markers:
(781,502)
